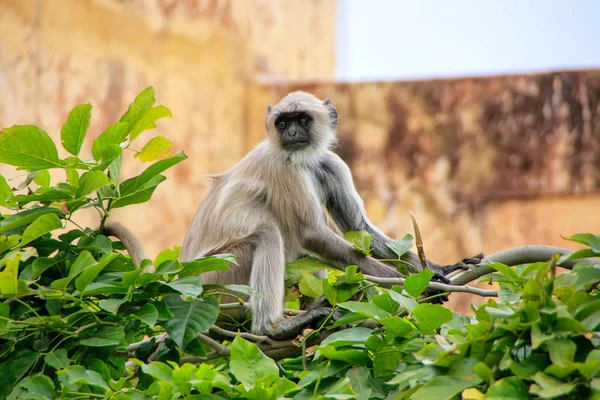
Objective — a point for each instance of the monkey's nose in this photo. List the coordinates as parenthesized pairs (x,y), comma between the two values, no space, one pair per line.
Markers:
(292,132)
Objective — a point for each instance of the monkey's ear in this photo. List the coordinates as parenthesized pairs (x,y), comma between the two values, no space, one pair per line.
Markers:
(333,115)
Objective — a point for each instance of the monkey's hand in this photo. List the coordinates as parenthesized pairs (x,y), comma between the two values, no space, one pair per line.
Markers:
(465,264)
(441,272)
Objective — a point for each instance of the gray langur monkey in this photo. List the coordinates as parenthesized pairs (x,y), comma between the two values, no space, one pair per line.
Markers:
(269,209)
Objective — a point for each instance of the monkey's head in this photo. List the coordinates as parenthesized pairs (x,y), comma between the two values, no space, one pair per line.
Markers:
(301,123)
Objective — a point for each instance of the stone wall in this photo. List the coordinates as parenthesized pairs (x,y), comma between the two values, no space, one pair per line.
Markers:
(202,56)
(485,163)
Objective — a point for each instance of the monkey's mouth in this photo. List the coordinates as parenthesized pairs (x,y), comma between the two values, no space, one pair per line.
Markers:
(295,144)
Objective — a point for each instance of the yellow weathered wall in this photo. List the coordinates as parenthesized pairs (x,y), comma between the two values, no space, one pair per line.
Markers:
(200,56)
(485,163)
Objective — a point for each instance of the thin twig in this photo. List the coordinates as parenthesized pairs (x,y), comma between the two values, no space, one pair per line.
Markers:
(248,336)
(419,242)
(157,339)
(437,286)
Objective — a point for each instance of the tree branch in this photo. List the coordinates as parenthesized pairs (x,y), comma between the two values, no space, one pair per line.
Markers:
(248,336)
(437,286)
(221,350)
(516,256)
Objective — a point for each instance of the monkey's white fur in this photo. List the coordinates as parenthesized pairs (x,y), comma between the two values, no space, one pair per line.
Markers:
(269,209)
(268,190)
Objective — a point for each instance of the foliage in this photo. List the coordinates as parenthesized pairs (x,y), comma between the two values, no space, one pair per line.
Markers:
(78,320)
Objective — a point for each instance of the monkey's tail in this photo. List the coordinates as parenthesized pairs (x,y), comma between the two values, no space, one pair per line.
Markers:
(134,246)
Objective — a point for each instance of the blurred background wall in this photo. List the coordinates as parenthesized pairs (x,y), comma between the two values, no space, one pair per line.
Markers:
(485,163)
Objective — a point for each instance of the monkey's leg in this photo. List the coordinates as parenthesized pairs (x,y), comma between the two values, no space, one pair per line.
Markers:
(267,279)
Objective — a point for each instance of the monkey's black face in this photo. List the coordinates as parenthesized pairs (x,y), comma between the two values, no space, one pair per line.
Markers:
(294,130)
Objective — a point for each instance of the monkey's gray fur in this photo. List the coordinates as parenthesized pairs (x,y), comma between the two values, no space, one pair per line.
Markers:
(268,210)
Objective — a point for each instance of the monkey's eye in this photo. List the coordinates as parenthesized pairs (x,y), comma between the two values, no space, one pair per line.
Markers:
(303,121)
(281,124)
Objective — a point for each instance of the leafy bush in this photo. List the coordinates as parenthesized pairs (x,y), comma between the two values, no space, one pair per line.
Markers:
(78,320)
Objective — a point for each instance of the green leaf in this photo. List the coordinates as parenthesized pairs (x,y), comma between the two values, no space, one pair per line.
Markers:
(158,370)
(84,260)
(206,264)
(156,147)
(442,388)
(359,380)
(147,314)
(360,240)
(587,239)
(141,115)
(169,267)
(72,176)
(348,355)
(548,387)
(6,193)
(98,243)
(562,351)
(57,359)
(133,185)
(76,374)
(90,272)
(140,188)
(400,247)
(143,101)
(367,309)
(310,285)
(52,195)
(8,242)
(8,277)
(12,370)
(248,363)
(38,387)
(416,284)
(107,146)
(42,178)
(385,302)
(28,147)
(74,130)
(111,305)
(107,336)
(190,286)
(339,292)
(347,337)
(190,317)
(508,388)
(399,327)
(167,255)
(577,255)
(91,181)
(147,120)
(294,269)
(139,196)
(430,317)
(42,225)
(25,217)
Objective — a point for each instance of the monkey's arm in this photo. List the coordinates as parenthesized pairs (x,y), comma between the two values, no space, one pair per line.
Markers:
(347,210)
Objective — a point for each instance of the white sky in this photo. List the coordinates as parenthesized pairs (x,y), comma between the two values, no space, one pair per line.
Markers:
(405,39)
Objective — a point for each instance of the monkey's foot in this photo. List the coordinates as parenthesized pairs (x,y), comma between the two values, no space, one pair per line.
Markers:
(290,327)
